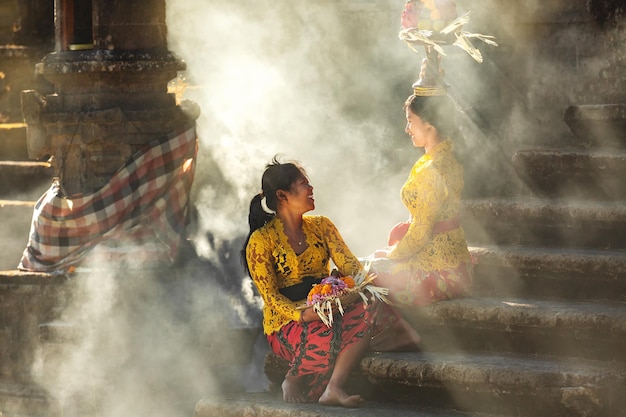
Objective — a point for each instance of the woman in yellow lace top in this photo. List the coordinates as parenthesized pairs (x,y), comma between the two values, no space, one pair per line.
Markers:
(285,254)
(428,259)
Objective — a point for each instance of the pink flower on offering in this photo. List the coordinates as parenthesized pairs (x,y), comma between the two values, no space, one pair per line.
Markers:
(410,14)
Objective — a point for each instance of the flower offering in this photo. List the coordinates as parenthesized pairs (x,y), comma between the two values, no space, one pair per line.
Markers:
(329,287)
(433,23)
(333,293)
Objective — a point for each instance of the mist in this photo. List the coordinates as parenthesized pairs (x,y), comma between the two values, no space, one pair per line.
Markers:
(322,82)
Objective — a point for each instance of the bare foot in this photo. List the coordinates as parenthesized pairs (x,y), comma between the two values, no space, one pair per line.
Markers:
(335,396)
(292,390)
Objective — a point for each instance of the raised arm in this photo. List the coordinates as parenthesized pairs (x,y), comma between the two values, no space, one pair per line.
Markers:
(342,256)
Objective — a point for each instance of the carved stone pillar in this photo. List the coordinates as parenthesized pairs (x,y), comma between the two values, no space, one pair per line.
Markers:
(110,71)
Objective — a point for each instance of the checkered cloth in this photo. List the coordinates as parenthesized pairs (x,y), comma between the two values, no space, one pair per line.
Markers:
(145,204)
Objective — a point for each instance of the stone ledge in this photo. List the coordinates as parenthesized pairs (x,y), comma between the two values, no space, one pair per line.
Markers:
(554,210)
(272,405)
(22,400)
(607,264)
(24,177)
(13,141)
(545,223)
(512,372)
(592,330)
(17,277)
(572,173)
(488,383)
(580,318)
(17,203)
(598,124)
(577,274)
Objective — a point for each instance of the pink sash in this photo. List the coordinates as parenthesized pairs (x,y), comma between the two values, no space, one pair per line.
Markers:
(399,230)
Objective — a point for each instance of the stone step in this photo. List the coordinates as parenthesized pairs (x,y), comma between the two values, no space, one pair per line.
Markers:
(550,272)
(545,223)
(598,124)
(505,384)
(13,142)
(23,400)
(570,173)
(266,404)
(24,179)
(16,219)
(582,329)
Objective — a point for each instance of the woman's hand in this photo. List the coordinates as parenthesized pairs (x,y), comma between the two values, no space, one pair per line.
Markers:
(309,315)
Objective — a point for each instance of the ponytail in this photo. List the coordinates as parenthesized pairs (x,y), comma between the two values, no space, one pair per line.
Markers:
(257,218)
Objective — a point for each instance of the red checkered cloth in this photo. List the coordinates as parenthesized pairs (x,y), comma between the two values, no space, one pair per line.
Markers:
(145,204)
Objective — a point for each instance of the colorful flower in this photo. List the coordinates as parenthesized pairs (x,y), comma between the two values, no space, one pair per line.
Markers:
(349,281)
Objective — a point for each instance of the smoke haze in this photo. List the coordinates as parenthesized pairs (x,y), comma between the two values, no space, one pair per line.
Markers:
(322,82)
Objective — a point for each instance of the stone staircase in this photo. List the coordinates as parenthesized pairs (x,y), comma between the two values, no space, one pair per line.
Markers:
(544,331)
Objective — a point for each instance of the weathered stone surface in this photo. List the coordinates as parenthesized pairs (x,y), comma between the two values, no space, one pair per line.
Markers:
(22,177)
(539,222)
(575,274)
(511,384)
(584,329)
(17,217)
(271,405)
(598,124)
(23,399)
(566,173)
(27,300)
(13,141)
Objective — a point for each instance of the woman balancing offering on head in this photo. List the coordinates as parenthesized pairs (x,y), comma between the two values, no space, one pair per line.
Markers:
(285,254)
(428,259)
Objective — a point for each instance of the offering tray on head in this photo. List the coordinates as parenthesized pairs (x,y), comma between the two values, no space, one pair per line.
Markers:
(334,293)
(434,23)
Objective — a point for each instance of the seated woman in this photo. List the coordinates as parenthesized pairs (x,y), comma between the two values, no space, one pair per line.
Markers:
(285,254)
(428,259)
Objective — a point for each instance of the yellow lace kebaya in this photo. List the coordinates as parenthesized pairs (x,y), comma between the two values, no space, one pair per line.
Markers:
(431,262)
(274,264)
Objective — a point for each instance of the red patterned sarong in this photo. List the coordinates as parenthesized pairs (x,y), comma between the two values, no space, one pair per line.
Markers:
(145,203)
(312,348)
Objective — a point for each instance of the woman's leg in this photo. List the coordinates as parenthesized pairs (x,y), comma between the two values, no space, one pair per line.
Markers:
(284,344)
(320,362)
(391,331)
(346,361)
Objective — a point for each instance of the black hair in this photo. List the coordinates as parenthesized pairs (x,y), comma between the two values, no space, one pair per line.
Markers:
(437,110)
(277,176)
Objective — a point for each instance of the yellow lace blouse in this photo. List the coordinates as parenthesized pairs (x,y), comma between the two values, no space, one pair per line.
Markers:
(274,264)
(432,193)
